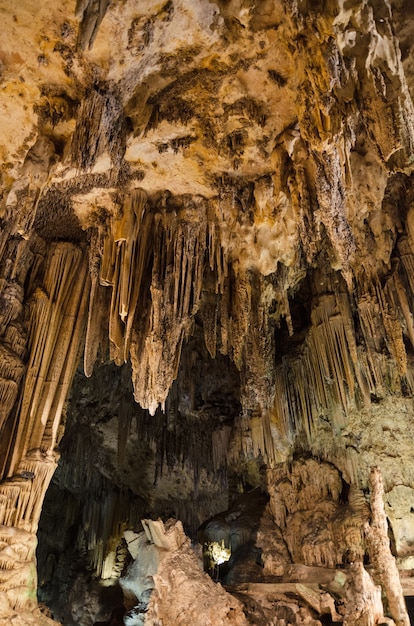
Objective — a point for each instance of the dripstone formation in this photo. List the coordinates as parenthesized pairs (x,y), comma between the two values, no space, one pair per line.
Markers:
(206,312)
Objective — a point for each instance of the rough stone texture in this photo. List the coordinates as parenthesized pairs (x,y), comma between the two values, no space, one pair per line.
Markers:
(181,592)
(220,194)
(379,551)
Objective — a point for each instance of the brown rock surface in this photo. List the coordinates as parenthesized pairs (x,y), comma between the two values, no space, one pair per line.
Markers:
(217,197)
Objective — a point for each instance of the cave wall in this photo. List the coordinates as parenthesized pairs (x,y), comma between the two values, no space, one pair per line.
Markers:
(218,199)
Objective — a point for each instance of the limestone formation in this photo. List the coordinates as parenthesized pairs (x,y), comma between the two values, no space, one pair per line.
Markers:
(206,277)
(181,591)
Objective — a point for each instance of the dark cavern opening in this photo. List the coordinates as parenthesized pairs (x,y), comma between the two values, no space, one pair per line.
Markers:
(119,464)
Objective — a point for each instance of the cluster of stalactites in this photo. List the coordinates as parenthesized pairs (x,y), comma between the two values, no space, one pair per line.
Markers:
(103,523)
(353,351)
(125,253)
(153,262)
(56,326)
(48,329)
(12,351)
(102,509)
(56,317)
(21,497)
(178,438)
(323,377)
(164,266)
(334,372)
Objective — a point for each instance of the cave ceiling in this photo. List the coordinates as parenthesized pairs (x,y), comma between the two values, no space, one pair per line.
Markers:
(217,198)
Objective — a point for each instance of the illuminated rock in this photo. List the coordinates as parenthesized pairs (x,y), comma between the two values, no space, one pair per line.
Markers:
(218,198)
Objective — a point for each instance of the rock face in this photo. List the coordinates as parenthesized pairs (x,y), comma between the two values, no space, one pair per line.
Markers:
(215,197)
(181,591)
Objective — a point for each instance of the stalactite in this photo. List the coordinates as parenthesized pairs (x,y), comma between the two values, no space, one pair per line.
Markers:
(302,200)
(330,189)
(179,247)
(11,304)
(23,262)
(240,314)
(23,199)
(134,263)
(100,129)
(380,325)
(125,255)
(393,332)
(56,331)
(11,368)
(220,444)
(407,257)
(98,307)
(209,315)
(8,394)
(323,376)
(224,321)
(396,295)
(91,14)
(217,252)
(361,374)
(108,259)
(334,357)
(14,336)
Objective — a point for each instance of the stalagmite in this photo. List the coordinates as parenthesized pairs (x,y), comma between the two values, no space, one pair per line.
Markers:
(364,606)
(176,581)
(378,546)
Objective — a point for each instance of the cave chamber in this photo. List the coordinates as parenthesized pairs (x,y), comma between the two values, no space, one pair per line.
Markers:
(206,313)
